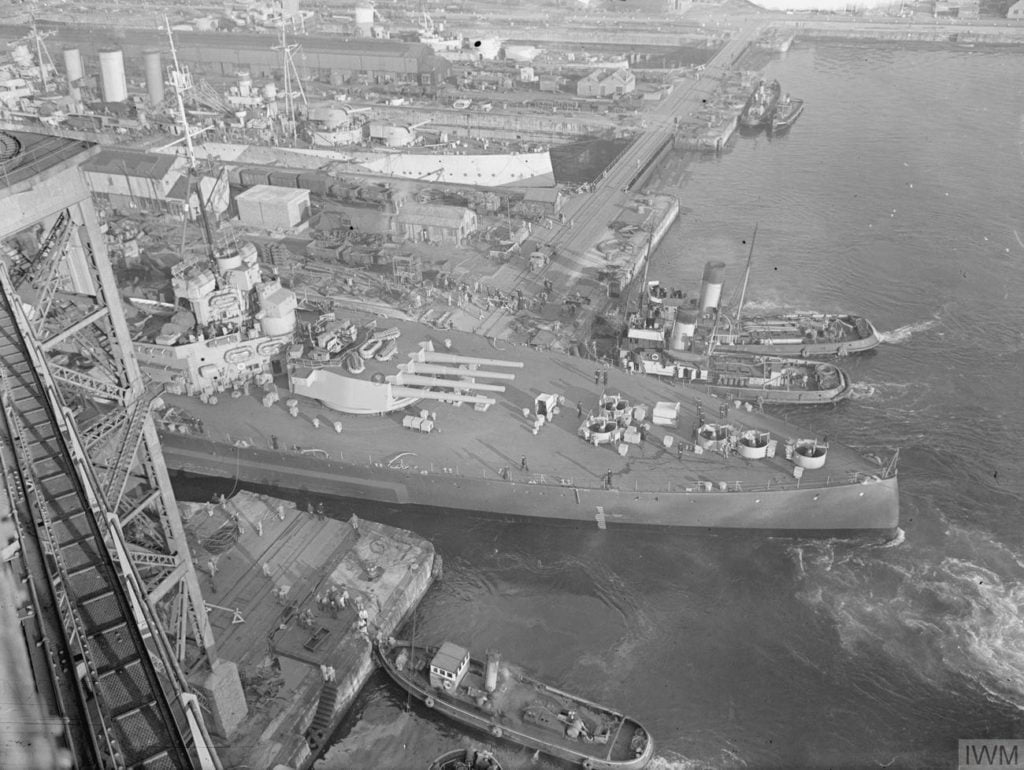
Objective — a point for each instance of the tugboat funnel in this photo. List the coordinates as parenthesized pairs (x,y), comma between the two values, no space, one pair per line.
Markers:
(711,285)
(491,672)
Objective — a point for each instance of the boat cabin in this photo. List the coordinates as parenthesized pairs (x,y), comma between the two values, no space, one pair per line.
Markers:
(449,665)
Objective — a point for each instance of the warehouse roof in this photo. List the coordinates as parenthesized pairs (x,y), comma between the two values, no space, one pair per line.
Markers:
(435,216)
(138,164)
(267,192)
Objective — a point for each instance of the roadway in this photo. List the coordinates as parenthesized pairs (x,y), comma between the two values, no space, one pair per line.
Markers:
(588,215)
(592,213)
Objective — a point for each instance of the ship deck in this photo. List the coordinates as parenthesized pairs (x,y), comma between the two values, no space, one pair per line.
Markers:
(492,444)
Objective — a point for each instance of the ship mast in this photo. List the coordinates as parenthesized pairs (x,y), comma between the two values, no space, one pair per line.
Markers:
(40,50)
(746,277)
(182,80)
(289,72)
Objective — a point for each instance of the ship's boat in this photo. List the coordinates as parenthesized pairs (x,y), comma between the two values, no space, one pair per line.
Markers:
(786,112)
(388,351)
(370,348)
(760,104)
(465,759)
(238,355)
(353,362)
(504,701)
(392,333)
(270,347)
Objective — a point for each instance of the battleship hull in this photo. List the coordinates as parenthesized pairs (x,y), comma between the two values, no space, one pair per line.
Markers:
(862,504)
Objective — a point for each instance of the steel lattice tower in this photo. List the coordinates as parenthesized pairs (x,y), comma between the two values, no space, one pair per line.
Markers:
(53,249)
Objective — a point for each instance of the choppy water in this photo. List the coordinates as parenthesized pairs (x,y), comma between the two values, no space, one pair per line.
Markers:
(897,195)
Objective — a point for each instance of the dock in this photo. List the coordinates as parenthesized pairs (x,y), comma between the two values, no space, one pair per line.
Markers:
(274,579)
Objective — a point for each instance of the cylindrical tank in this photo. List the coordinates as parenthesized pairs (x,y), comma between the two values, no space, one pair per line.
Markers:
(364,14)
(270,92)
(683,330)
(491,672)
(364,20)
(115,87)
(73,64)
(711,285)
(244,83)
(154,77)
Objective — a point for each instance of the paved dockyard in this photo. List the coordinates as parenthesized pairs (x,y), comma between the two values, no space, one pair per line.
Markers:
(262,564)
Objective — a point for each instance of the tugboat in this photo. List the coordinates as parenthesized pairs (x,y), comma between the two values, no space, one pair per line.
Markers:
(751,378)
(465,759)
(703,326)
(786,112)
(760,105)
(501,699)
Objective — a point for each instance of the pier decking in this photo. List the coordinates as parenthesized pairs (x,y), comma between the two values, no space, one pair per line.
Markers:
(262,564)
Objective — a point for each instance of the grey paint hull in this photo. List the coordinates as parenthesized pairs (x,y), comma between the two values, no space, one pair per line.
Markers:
(871,505)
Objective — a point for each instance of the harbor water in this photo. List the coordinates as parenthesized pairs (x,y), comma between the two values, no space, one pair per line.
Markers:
(897,195)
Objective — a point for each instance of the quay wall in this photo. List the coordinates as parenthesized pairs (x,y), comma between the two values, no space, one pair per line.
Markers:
(987,33)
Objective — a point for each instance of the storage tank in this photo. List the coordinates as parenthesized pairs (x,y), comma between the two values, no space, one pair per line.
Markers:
(154,77)
(711,285)
(115,87)
(73,64)
(244,83)
(364,20)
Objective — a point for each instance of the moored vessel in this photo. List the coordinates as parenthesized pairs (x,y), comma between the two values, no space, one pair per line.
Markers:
(557,445)
(501,699)
(786,112)
(747,377)
(760,104)
(703,325)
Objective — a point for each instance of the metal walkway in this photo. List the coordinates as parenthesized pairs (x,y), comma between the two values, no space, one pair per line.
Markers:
(125,683)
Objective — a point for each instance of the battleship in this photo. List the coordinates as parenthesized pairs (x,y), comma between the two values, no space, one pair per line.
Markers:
(454,421)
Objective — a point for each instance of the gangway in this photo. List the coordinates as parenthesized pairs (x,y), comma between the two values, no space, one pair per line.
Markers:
(127,683)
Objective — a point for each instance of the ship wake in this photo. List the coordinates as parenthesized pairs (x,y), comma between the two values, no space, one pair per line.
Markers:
(904,333)
(956,616)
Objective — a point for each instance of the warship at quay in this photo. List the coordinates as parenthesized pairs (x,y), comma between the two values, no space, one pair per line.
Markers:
(564,438)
